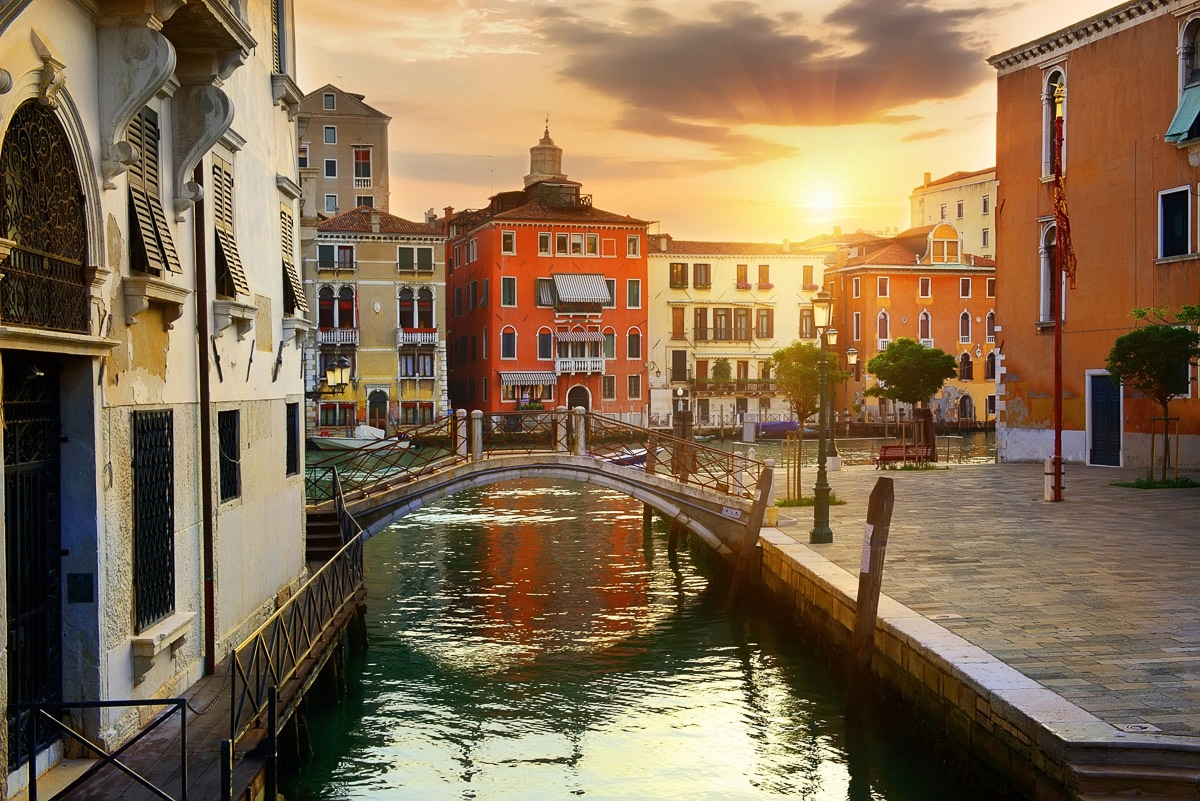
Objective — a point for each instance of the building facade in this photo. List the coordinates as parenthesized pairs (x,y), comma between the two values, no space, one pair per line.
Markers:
(731,302)
(1130,155)
(378,285)
(919,285)
(345,143)
(964,199)
(547,299)
(154,484)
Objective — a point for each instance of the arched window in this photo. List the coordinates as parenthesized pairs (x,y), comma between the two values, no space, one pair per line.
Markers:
(508,343)
(325,310)
(1189,54)
(883,325)
(925,328)
(545,342)
(989,326)
(610,343)
(408,310)
(425,308)
(1054,105)
(989,367)
(964,327)
(633,341)
(345,308)
(1049,299)
(966,368)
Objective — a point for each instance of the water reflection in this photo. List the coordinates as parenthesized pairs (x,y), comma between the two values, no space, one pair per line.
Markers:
(528,642)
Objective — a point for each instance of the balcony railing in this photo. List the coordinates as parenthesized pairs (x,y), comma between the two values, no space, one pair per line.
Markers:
(337,336)
(724,334)
(739,386)
(416,336)
(578,365)
(329,265)
(362,183)
(414,268)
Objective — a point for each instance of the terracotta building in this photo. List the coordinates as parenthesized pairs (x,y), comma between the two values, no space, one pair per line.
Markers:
(1131,146)
(920,285)
(546,299)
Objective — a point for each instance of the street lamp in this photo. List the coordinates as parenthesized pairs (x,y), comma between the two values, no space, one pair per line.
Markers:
(337,375)
(822,317)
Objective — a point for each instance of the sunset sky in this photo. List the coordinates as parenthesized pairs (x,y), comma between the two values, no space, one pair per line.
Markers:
(749,121)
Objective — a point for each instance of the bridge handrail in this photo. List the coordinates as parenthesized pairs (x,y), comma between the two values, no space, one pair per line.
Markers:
(520,432)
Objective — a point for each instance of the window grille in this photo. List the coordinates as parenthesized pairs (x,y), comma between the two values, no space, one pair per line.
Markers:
(292,455)
(229,447)
(153,449)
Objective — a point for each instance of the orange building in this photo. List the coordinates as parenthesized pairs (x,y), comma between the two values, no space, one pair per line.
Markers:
(547,299)
(1130,85)
(918,285)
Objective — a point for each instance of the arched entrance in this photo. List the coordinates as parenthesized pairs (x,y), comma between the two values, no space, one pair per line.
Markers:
(579,396)
(377,409)
(966,409)
(45,287)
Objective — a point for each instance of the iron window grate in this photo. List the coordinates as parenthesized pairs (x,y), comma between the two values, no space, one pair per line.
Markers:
(153,449)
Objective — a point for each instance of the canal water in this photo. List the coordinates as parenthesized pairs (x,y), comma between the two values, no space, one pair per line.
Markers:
(527,642)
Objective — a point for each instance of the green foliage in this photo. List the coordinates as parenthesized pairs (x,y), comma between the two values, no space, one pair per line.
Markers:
(797,373)
(808,500)
(1187,315)
(721,370)
(909,372)
(1153,360)
(1148,482)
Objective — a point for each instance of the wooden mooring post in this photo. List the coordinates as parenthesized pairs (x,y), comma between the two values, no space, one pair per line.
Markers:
(746,551)
(870,580)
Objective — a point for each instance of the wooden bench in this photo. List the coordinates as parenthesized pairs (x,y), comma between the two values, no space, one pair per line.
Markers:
(919,453)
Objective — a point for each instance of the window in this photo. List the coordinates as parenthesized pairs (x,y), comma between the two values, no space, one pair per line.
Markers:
(985,238)
(856,325)
(364,200)
(807,276)
(764,276)
(328,101)
(294,301)
(925,329)
(959,209)
(483,298)
(1049,299)
(679,278)
(229,455)
(331,168)
(592,245)
(608,387)
(611,284)
(1054,109)
(765,323)
(989,326)
(741,325)
(543,292)
(964,287)
(153,250)
(743,276)
(544,243)
(561,242)
(331,134)
(633,247)
(230,276)
(458,301)
(302,156)
(942,211)
(291,449)
(882,286)
(331,204)
(635,387)
(545,345)
(856,287)
(966,369)
(633,293)
(964,328)
(610,345)
(1174,216)
(508,290)
(743,371)
(701,276)
(472,250)
(883,326)
(414,259)
(152,449)
(700,324)
(721,324)
(677,322)
(990,285)
(576,244)
(508,343)
(633,349)
(989,367)
(808,329)
(925,287)
(989,405)
(362,167)
(473,295)
(986,205)
(508,243)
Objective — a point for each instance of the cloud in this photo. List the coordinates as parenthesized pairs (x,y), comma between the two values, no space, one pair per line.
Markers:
(919,135)
(740,65)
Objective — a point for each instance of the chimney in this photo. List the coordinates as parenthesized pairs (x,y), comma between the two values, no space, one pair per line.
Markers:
(430,216)
(928,178)
(374,221)
(787,246)
(837,230)
(664,242)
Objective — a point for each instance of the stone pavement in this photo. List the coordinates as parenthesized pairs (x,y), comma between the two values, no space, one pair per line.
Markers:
(1096,597)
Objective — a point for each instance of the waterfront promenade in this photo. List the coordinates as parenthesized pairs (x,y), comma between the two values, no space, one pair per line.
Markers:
(1097,598)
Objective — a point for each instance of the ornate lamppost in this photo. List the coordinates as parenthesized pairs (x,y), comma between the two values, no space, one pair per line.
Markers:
(822,316)
(851,361)
(337,376)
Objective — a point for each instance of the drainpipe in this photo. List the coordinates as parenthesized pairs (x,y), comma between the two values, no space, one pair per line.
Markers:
(206,478)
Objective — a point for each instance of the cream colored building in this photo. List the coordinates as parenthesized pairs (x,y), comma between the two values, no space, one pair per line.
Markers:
(152,389)
(345,142)
(964,199)
(732,301)
(378,288)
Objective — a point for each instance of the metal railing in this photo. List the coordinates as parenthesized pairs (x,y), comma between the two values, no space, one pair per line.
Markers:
(40,714)
(337,336)
(579,364)
(524,432)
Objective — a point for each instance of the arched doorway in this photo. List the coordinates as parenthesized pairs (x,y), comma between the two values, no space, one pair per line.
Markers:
(377,409)
(966,409)
(579,396)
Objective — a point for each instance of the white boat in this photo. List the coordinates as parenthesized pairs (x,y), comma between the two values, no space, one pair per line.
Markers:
(365,436)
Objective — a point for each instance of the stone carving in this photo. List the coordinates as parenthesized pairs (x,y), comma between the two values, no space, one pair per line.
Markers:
(136,63)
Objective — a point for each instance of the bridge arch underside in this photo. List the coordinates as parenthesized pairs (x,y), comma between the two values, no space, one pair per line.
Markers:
(719,520)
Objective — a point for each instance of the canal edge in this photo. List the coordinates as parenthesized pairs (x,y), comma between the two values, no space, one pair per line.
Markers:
(1045,746)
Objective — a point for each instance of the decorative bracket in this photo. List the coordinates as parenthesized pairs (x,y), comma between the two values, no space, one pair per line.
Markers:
(136,62)
(53,75)
(142,290)
(170,633)
(228,312)
(295,328)
(1193,150)
(202,115)
(286,93)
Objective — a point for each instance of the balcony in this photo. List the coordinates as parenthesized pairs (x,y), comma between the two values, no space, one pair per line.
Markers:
(740,386)
(330,266)
(362,183)
(337,336)
(414,267)
(724,334)
(416,336)
(578,365)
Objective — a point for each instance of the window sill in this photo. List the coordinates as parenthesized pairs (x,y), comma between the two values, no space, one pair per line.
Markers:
(1178,259)
(228,312)
(296,327)
(1044,325)
(170,633)
(143,290)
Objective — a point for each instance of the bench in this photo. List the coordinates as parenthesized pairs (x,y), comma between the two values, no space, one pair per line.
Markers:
(919,453)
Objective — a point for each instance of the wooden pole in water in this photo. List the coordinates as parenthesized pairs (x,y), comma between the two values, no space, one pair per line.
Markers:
(870,579)
(753,527)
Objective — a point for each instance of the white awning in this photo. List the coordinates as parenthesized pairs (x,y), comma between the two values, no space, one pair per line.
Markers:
(580,336)
(528,379)
(588,288)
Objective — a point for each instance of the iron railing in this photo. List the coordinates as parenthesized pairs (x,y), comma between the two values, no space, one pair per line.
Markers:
(41,714)
(522,432)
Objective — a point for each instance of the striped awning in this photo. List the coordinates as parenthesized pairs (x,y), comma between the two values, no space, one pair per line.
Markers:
(528,379)
(580,336)
(588,288)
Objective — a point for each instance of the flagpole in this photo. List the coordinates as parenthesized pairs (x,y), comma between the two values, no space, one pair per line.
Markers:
(1060,243)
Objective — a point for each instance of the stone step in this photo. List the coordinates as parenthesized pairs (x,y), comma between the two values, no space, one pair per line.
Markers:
(1153,750)
(1137,781)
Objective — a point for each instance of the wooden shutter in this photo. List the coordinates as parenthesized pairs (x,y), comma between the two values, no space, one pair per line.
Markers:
(287,243)
(145,194)
(222,186)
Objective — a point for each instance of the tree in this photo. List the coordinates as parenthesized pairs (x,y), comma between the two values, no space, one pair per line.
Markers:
(909,372)
(722,372)
(797,373)
(1154,360)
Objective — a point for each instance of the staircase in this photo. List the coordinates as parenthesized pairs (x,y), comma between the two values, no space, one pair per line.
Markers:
(1136,768)
(323,538)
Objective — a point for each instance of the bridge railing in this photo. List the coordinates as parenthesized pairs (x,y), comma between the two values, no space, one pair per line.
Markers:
(520,432)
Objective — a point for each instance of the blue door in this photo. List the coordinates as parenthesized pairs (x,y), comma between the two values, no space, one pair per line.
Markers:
(1105,445)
